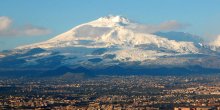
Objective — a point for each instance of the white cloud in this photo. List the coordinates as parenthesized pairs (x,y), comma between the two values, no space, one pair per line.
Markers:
(165,26)
(5,23)
(27,30)
(33,30)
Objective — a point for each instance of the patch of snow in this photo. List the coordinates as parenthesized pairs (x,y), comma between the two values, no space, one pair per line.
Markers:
(139,55)
(42,54)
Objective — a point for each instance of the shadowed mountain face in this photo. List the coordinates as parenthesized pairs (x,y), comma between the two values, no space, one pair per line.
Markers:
(111,46)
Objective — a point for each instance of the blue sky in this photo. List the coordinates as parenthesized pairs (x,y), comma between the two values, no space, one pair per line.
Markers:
(47,18)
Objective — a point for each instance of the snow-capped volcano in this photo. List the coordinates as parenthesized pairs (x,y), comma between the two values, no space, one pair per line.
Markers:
(115,35)
(108,42)
(112,31)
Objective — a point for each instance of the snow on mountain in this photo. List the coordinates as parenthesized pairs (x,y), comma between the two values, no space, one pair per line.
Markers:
(127,38)
(113,33)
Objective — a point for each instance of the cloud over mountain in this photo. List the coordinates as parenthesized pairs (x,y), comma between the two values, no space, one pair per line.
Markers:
(6,29)
(165,26)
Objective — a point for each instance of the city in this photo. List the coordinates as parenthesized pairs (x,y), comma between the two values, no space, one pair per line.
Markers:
(113,92)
